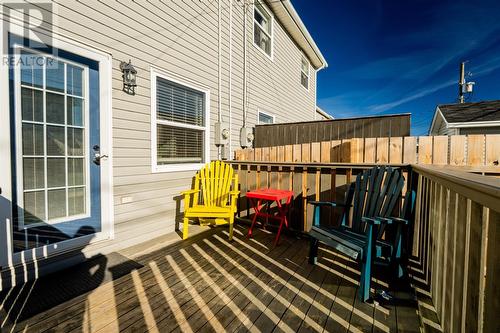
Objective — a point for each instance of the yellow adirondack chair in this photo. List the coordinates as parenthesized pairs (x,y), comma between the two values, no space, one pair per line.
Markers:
(214,196)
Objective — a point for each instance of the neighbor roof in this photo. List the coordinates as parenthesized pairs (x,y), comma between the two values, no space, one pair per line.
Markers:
(471,112)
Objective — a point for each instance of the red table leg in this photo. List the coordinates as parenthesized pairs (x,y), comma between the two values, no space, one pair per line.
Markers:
(282,213)
(257,212)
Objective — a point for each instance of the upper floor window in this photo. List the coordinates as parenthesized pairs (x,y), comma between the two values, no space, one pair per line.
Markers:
(180,125)
(304,73)
(262,28)
(265,118)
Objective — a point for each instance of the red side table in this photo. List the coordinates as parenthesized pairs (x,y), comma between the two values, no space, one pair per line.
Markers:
(256,197)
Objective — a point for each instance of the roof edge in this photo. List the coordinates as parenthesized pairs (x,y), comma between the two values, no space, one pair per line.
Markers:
(324,113)
(294,18)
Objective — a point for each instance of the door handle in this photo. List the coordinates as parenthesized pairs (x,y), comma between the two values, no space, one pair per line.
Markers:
(97,155)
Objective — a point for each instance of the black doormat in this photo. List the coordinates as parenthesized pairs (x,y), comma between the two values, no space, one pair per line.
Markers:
(27,300)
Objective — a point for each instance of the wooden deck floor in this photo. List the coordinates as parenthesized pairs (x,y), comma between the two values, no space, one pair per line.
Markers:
(207,284)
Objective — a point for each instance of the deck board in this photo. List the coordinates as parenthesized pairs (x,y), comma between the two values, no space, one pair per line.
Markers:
(207,284)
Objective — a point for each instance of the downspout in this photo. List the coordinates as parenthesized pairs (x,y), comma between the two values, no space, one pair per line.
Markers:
(230,76)
(219,58)
(245,8)
(219,104)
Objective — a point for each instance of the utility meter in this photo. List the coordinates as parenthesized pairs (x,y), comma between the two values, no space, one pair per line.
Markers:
(222,134)
(246,137)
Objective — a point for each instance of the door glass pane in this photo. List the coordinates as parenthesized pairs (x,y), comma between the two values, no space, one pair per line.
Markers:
(54,75)
(34,207)
(33,173)
(75,171)
(55,108)
(76,200)
(75,141)
(31,69)
(55,141)
(32,139)
(75,80)
(57,203)
(56,172)
(32,104)
(75,111)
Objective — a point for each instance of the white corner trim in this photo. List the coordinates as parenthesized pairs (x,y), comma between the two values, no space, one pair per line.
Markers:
(158,72)
(434,118)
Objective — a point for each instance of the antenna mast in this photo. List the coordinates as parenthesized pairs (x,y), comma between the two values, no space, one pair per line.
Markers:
(461,83)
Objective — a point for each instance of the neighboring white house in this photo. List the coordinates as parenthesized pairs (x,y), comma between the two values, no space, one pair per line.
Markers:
(466,118)
(90,167)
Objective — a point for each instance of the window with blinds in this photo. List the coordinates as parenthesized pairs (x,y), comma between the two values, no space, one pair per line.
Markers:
(180,123)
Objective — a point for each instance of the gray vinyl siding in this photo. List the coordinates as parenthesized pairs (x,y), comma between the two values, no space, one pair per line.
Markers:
(444,130)
(179,38)
(480,130)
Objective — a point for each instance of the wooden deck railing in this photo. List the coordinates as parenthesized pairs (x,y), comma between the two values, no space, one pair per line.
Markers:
(308,181)
(457,241)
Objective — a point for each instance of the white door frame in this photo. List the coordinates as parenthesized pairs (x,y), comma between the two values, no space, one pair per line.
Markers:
(7,257)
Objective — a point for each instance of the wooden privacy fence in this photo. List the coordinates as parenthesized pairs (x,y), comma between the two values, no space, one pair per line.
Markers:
(268,135)
(457,150)
(457,243)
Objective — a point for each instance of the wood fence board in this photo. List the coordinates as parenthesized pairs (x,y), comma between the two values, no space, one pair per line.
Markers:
(288,153)
(475,150)
(440,151)
(410,149)
(457,149)
(425,149)
(382,150)
(297,153)
(306,153)
(396,150)
(335,151)
(345,151)
(357,150)
(325,151)
(492,149)
(315,152)
(273,154)
(370,150)
(265,154)
(281,154)
(258,154)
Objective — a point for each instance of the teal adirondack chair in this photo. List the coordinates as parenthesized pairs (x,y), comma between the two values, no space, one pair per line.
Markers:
(372,197)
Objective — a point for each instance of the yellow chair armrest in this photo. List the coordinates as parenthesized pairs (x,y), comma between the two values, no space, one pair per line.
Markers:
(189,192)
(234,192)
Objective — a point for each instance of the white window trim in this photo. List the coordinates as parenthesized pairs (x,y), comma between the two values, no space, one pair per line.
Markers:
(155,168)
(259,112)
(104,59)
(308,74)
(271,16)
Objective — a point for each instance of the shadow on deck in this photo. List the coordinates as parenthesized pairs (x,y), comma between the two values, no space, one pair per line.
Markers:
(209,284)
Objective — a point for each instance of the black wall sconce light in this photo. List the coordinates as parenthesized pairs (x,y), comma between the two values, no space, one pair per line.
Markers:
(129,77)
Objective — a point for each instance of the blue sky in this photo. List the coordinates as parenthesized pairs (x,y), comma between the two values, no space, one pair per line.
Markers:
(402,56)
